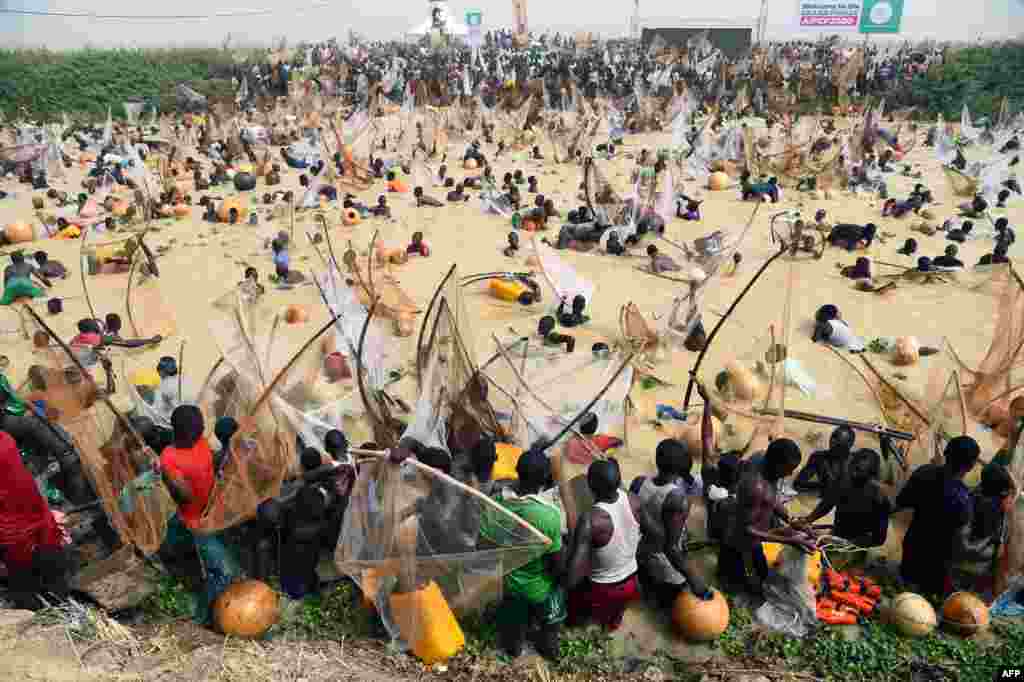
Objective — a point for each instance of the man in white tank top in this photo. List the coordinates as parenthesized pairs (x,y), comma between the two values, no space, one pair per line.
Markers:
(602,565)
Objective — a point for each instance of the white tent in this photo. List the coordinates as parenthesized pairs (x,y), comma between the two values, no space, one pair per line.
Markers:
(438,12)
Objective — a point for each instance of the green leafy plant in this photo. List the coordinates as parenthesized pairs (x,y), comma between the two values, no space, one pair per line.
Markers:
(172,600)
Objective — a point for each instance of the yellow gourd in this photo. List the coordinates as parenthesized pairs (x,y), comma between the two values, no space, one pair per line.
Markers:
(505,466)
(427,624)
(772,551)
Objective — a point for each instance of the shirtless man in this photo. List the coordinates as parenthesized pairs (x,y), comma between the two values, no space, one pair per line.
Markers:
(663,562)
(758,506)
(825,468)
(862,509)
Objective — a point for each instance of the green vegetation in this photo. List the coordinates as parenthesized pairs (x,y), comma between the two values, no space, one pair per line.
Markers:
(85,82)
(878,654)
(981,76)
(172,600)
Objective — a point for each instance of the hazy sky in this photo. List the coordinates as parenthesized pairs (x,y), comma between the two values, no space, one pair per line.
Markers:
(960,19)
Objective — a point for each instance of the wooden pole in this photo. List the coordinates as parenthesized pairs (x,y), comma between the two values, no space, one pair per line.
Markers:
(721,321)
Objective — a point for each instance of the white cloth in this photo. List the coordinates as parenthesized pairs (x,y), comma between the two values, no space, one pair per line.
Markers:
(843,336)
(616,561)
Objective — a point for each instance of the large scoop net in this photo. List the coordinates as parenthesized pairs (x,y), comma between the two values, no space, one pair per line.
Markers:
(111,452)
(262,381)
(131,287)
(418,543)
(453,409)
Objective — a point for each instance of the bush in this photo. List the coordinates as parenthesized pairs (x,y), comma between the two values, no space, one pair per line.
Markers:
(86,82)
(981,76)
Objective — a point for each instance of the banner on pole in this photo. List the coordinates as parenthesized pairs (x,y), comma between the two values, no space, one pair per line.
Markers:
(519,10)
(881,16)
(829,15)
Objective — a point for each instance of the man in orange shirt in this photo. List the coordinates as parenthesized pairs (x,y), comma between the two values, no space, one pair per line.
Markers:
(187,470)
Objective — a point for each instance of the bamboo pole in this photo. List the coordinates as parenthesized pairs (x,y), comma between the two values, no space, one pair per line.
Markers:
(721,321)
(430,471)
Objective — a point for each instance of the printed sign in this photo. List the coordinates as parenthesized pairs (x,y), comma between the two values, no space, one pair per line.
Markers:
(474,17)
(829,15)
(474,22)
(881,16)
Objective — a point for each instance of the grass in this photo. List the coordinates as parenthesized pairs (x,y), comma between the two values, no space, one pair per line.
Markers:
(85,82)
(879,654)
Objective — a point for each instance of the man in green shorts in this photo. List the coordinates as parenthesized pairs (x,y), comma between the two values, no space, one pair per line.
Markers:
(533,593)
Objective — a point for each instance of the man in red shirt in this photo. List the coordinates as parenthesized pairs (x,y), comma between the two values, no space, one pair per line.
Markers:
(187,471)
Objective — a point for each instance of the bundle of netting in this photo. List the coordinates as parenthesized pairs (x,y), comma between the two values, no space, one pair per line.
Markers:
(576,400)
(605,203)
(453,411)
(131,289)
(272,379)
(426,549)
(569,288)
(116,454)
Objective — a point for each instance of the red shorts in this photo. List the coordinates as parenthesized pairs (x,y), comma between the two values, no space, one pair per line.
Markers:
(602,603)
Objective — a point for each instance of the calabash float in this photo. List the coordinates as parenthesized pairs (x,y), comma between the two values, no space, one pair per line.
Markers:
(719,181)
(19,232)
(350,217)
(296,314)
(698,620)
(907,351)
(965,614)
(913,615)
(247,609)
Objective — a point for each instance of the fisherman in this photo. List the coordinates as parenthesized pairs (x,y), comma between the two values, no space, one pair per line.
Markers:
(580,449)
(948,259)
(576,317)
(50,269)
(941,525)
(664,564)
(825,468)
(187,470)
(533,592)
(661,263)
(836,332)
(603,560)
(758,508)
(997,256)
(862,509)
(852,236)
(32,544)
(18,280)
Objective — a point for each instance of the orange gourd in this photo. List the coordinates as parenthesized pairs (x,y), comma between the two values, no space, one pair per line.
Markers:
(246,609)
(224,211)
(698,620)
(296,314)
(18,232)
(182,210)
(397,186)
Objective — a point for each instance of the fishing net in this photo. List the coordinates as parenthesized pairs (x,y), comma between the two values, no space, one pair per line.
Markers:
(991,385)
(562,278)
(453,409)
(375,286)
(544,395)
(264,381)
(418,543)
(110,451)
(153,397)
(789,605)
(131,288)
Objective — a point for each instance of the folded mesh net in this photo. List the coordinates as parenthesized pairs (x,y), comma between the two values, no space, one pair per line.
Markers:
(411,532)
(112,453)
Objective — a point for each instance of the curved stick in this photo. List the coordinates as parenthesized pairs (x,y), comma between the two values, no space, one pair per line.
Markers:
(874,392)
(284,370)
(597,397)
(360,381)
(721,321)
(426,318)
(86,376)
